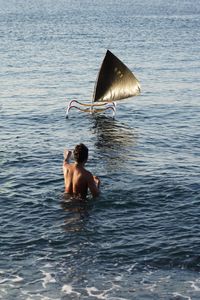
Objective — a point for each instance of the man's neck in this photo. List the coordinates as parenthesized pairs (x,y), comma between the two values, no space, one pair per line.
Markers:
(79,164)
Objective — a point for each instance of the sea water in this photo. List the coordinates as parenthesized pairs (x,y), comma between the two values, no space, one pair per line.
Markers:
(141,238)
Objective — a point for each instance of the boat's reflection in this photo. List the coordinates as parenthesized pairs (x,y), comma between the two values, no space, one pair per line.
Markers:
(114,140)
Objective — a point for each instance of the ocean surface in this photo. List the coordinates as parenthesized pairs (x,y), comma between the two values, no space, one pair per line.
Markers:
(141,238)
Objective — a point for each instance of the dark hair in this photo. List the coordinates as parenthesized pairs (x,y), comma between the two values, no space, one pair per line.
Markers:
(80,153)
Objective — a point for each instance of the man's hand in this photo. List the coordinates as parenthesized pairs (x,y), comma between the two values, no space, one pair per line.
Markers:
(67,155)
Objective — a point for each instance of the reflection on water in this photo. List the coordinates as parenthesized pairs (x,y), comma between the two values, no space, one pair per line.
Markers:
(77,213)
(114,140)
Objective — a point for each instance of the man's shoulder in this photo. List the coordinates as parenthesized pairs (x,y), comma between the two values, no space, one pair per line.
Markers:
(87,173)
(70,166)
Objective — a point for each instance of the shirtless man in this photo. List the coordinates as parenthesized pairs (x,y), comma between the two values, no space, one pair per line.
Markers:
(77,179)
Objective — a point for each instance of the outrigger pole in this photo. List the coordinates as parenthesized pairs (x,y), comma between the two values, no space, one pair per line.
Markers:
(91,108)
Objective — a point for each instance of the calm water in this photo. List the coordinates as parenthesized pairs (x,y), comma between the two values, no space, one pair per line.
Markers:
(141,238)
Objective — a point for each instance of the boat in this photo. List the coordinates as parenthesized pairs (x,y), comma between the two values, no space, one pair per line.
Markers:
(114,82)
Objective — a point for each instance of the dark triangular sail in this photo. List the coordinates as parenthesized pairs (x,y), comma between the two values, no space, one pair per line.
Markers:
(115,81)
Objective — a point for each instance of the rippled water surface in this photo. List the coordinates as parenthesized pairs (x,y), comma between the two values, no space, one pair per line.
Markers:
(141,238)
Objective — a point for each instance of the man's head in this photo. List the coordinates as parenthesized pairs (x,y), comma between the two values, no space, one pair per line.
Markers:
(80,153)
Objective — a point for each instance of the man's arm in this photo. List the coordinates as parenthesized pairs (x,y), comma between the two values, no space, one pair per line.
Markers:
(67,155)
(66,164)
(93,185)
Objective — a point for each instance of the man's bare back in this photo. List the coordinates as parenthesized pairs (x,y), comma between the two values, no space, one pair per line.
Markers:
(77,179)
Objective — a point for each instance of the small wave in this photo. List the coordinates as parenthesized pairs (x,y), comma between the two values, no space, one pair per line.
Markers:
(178,296)
(195,285)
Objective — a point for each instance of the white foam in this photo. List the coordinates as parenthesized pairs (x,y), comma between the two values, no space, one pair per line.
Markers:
(67,289)
(3,280)
(47,279)
(39,296)
(131,268)
(194,285)
(18,279)
(151,287)
(93,292)
(177,295)
(118,278)
(48,265)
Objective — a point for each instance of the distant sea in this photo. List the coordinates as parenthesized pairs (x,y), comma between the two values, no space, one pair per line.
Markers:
(141,238)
